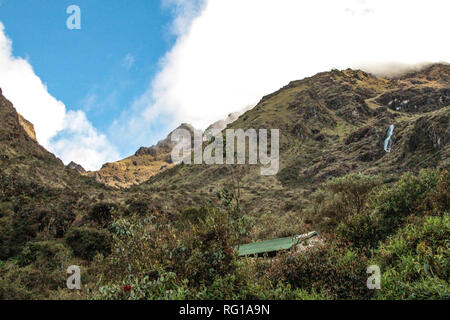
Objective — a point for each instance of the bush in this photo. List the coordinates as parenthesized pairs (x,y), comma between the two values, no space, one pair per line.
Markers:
(437,201)
(341,198)
(415,263)
(164,287)
(198,254)
(362,231)
(102,213)
(353,191)
(39,269)
(139,207)
(338,272)
(207,249)
(86,242)
(45,253)
(194,215)
(405,198)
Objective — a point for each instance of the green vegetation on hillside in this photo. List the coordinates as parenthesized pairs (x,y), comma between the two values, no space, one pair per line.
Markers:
(173,236)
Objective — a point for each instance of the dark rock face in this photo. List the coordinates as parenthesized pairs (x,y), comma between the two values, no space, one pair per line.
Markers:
(429,134)
(75,166)
(13,135)
(357,135)
(416,100)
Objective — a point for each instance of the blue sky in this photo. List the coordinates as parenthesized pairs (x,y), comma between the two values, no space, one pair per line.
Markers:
(101,68)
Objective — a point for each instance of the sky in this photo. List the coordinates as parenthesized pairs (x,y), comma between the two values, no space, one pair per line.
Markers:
(137,69)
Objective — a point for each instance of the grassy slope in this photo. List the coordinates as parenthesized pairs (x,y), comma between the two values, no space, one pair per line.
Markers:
(331,124)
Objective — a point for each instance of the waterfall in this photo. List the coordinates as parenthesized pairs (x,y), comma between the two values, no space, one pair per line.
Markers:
(388,141)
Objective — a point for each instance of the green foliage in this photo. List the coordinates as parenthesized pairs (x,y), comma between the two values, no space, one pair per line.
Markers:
(412,196)
(87,242)
(194,215)
(363,231)
(39,269)
(45,253)
(341,198)
(353,191)
(407,197)
(139,207)
(415,263)
(339,272)
(209,248)
(164,287)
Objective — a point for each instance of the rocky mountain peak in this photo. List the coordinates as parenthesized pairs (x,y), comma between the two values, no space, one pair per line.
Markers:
(75,166)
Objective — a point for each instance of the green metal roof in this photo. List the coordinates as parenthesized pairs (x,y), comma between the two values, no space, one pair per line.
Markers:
(267,246)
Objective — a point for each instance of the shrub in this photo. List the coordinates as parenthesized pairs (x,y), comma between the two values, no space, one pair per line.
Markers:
(415,263)
(362,231)
(194,215)
(139,207)
(353,191)
(437,201)
(102,212)
(209,249)
(45,253)
(166,286)
(86,242)
(341,198)
(338,272)
(199,253)
(405,198)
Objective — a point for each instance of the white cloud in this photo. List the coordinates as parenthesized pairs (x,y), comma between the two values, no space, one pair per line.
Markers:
(233,52)
(68,134)
(80,142)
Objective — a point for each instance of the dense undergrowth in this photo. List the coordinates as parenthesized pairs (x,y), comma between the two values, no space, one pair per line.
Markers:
(132,250)
(403,228)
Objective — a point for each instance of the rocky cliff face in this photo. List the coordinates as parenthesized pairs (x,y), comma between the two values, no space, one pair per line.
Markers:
(27,126)
(19,148)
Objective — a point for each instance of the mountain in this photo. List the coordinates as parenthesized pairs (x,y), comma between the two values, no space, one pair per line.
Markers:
(148,162)
(141,166)
(331,124)
(75,166)
(39,196)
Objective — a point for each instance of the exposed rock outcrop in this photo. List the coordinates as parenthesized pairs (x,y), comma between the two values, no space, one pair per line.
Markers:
(75,166)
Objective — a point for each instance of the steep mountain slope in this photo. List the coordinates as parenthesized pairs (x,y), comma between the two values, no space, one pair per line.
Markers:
(331,124)
(148,162)
(141,166)
(43,205)
(40,198)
